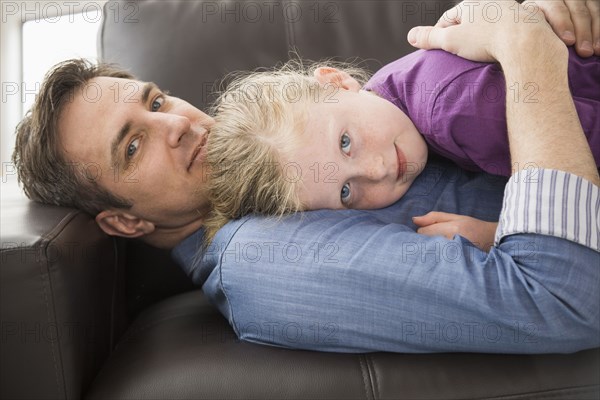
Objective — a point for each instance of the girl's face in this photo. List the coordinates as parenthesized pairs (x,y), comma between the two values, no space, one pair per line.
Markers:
(357,151)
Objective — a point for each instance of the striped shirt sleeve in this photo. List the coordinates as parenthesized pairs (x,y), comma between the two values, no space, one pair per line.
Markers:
(551,202)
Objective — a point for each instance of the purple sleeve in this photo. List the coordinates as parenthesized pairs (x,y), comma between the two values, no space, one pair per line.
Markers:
(459,105)
(584,81)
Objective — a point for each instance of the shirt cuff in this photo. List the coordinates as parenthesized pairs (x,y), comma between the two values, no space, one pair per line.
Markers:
(551,202)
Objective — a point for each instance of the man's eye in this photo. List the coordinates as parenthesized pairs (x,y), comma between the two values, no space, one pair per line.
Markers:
(157,103)
(132,148)
(345,194)
(345,143)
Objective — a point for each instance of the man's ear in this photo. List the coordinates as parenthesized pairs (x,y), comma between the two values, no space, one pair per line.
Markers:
(120,223)
(325,75)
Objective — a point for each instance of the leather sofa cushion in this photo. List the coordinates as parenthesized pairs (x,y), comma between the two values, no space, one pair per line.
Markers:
(183,348)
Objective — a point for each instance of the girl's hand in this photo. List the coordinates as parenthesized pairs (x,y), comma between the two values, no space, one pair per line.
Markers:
(478,232)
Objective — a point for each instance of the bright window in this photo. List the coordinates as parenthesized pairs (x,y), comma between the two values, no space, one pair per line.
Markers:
(51,40)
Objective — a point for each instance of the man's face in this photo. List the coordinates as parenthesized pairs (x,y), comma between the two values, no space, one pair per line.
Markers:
(140,144)
(357,151)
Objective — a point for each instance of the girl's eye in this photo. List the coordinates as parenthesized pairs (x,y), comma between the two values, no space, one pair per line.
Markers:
(132,148)
(157,103)
(345,194)
(345,143)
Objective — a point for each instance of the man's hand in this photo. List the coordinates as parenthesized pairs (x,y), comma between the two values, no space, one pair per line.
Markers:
(574,21)
(478,232)
(487,31)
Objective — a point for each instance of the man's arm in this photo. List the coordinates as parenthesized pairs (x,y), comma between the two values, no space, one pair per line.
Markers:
(549,151)
(547,133)
(363,280)
(544,134)
(529,52)
(353,282)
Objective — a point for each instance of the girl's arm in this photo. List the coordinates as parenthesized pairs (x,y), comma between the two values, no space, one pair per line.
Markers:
(435,223)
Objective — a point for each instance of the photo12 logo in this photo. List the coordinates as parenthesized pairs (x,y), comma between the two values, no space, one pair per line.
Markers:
(21,89)
(270,11)
(492,12)
(55,11)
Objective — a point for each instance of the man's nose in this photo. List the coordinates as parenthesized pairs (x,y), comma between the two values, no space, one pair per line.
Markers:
(175,126)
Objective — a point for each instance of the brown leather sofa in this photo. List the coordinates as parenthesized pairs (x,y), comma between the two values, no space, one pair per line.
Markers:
(87,315)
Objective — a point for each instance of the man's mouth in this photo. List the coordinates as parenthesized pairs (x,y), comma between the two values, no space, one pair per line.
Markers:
(199,152)
(401,163)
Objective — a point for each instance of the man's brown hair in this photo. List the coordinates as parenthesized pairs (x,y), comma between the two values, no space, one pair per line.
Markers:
(44,172)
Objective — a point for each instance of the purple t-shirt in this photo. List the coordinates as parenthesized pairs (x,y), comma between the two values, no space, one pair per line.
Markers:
(459,105)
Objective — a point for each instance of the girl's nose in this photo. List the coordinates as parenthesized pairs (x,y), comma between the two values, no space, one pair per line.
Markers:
(374,169)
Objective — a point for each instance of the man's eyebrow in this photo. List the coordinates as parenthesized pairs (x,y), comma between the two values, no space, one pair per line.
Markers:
(124,131)
(148,87)
(116,143)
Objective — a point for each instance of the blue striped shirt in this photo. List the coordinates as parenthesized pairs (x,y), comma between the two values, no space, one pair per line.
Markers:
(530,206)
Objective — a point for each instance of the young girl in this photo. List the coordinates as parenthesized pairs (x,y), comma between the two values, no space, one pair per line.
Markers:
(310,138)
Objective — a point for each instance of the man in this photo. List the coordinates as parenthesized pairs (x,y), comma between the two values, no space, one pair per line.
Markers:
(158,141)
(77,145)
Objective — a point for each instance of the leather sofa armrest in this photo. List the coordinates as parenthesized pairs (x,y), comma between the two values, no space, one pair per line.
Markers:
(61,298)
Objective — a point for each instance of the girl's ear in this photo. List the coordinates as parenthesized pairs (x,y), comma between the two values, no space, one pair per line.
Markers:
(329,75)
(119,223)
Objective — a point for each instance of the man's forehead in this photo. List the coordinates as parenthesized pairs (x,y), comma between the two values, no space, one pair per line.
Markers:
(103,94)
(109,80)
(111,88)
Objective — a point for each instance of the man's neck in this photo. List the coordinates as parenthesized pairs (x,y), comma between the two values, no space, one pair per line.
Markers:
(169,238)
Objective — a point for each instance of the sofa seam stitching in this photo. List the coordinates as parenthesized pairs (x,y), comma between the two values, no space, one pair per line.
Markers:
(366,378)
(44,243)
(113,301)
(373,374)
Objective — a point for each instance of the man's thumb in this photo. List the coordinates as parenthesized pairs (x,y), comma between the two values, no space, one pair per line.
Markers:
(426,37)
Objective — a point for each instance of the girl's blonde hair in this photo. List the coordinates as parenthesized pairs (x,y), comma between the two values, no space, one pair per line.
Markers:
(258,120)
